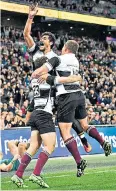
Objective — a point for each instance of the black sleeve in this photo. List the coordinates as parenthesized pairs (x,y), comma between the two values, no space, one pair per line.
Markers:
(50,80)
(30,107)
(54,62)
(40,61)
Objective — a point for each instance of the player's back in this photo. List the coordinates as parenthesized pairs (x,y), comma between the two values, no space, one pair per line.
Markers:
(69,65)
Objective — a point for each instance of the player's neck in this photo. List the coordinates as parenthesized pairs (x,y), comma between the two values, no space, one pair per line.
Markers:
(47,50)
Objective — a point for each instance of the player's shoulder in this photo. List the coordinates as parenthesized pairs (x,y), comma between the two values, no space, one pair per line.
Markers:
(51,54)
(64,58)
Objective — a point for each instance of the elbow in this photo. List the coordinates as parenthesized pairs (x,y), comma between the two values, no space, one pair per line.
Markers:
(25,34)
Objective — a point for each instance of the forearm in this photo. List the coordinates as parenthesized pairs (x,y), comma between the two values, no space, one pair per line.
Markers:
(54,80)
(27,29)
(70,79)
(8,167)
(40,71)
(27,32)
(5,167)
(47,66)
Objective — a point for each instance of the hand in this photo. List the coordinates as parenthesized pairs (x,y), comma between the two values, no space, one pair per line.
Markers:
(33,9)
(35,74)
(43,78)
(17,156)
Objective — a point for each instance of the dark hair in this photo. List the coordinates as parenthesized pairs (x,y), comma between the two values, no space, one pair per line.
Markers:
(26,69)
(51,37)
(72,46)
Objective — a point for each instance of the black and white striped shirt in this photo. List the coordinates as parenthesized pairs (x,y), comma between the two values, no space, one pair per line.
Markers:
(68,65)
(43,93)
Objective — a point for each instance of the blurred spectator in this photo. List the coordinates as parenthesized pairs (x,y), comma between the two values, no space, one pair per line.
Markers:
(11,107)
(101,8)
(92,95)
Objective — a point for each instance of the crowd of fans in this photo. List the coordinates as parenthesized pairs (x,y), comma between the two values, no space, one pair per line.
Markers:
(97,66)
(101,8)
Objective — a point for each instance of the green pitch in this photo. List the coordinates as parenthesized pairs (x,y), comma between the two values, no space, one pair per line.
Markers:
(60,174)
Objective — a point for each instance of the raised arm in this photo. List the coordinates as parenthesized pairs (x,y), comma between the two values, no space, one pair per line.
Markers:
(27,30)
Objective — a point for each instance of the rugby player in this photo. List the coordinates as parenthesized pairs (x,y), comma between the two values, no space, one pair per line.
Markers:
(17,149)
(44,124)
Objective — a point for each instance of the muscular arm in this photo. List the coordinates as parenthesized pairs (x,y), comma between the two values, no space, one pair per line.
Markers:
(69,79)
(47,66)
(33,9)
(55,80)
(27,30)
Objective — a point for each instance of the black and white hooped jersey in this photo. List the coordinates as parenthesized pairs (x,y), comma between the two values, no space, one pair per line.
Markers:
(43,93)
(43,96)
(36,53)
(68,65)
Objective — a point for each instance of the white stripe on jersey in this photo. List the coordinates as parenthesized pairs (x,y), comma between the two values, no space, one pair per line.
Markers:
(69,63)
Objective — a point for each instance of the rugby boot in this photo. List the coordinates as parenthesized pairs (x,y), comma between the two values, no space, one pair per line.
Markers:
(38,180)
(18,181)
(107,148)
(81,167)
(87,147)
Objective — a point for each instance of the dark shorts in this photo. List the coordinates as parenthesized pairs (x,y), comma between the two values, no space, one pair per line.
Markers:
(41,121)
(71,106)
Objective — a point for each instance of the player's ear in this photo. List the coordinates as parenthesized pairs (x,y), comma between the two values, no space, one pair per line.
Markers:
(51,43)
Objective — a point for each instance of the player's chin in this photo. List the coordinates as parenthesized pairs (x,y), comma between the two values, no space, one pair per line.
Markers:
(42,48)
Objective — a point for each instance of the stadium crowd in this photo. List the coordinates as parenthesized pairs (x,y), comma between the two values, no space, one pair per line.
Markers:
(97,66)
(99,8)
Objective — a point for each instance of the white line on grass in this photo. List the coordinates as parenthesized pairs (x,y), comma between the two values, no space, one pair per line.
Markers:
(67,175)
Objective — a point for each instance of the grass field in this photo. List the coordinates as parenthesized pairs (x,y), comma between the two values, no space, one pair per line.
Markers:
(60,174)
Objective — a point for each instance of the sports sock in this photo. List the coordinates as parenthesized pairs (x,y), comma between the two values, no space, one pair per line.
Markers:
(83,140)
(24,163)
(72,147)
(92,131)
(42,159)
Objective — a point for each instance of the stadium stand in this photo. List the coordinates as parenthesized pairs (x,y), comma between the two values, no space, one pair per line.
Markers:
(96,7)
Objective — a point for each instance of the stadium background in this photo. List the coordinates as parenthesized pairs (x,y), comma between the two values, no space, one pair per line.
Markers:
(93,25)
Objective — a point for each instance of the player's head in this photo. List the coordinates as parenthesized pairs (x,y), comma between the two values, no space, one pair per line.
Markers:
(47,41)
(71,46)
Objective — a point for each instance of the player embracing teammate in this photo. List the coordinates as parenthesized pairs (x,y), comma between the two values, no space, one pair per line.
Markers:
(61,72)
